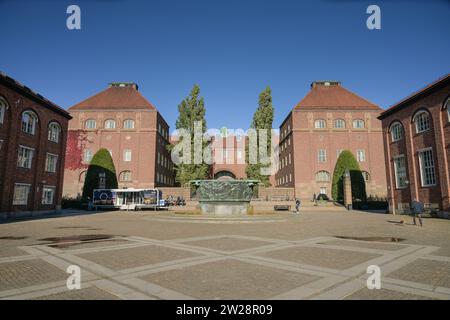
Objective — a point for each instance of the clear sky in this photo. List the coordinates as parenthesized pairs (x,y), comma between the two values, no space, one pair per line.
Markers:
(232,48)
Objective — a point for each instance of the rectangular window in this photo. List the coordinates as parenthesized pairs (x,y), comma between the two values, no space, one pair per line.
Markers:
(25,157)
(127,155)
(338,152)
(322,155)
(50,162)
(400,172)
(87,156)
(360,155)
(48,194)
(427,171)
(21,192)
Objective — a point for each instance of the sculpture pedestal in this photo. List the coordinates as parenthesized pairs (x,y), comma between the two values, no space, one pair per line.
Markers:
(224,208)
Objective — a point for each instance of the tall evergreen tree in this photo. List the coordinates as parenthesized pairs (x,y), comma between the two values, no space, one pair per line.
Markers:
(101,164)
(348,161)
(192,110)
(262,119)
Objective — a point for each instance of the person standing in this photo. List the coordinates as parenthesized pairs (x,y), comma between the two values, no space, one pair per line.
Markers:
(417,210)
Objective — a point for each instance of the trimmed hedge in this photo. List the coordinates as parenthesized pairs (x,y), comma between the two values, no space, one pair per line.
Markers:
(101,163)
(348,161)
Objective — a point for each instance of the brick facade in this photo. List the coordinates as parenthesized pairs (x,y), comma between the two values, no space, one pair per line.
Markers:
(132,130)
(15,99)
(314,132)
(433,100)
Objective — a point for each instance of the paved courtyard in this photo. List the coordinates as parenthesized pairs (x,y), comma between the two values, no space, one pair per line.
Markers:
(318,255)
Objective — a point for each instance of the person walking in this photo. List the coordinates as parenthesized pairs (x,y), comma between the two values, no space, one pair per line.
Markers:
(314,198)
(297,206)
(417,210)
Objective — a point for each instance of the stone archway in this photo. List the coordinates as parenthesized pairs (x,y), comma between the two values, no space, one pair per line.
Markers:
(224,175)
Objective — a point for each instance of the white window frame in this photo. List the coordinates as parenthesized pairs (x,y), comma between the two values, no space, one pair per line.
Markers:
(54,131)
(125,173)
(127,155)
(423,167)
(320,124)
(19,162)
(340,121)
(322,155)
(3,107)
(90,124)
(128,124)
(322,176)
(361,155)
(338,153)
(44,199)
(47,163)
(110,124)
(23,202)
(396,131)
(85,155)
(357,124)
(400,174)
(421,124)
(30,126)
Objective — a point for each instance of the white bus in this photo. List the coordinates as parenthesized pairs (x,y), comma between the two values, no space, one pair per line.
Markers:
(128,199)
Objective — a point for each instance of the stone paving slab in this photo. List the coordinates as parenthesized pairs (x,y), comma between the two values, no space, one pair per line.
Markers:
(229,279)
(91,293)
(431,272)
(327,258)
(136,257)
(228,244)
(384,294)
(27,273)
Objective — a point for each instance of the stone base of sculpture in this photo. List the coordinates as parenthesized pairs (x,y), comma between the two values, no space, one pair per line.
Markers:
(224,208)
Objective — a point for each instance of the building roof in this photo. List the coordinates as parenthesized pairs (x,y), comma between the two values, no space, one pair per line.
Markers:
(444,80)
(330,95)
(24,90)
(118,96)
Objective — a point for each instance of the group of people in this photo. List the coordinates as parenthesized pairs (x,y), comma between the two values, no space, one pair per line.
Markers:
(172,201)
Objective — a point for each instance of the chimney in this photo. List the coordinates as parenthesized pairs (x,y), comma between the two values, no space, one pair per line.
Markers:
(124,85)
(326,83)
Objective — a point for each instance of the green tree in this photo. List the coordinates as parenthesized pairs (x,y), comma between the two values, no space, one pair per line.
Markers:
(101,165)
(191,110)
(262,119)
(348,161)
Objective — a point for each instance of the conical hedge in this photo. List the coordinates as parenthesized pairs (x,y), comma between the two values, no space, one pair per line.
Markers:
(101,162)
(348,161)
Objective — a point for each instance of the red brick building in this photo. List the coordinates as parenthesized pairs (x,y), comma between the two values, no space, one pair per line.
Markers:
(328,120)
(33,134)
(417,143)
(121,120)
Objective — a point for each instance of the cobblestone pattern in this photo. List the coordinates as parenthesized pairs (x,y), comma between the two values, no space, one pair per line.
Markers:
(261,267)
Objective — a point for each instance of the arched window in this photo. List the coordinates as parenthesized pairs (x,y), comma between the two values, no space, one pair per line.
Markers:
(358,124)
(3,106)
(320,124)
(110,124)
(339,124)
(125,176)
(366,176)
(422,121)
(54,131)
(396,131)
(29,122)
(447,106)
(322,176)
(82,176)
(128,124)
(90,124)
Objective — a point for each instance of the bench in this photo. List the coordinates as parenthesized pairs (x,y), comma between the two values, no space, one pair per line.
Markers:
(282,207)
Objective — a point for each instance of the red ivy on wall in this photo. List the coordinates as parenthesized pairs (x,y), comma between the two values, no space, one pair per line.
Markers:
(76,140)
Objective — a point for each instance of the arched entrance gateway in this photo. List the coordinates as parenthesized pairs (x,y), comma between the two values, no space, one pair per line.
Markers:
(224,175)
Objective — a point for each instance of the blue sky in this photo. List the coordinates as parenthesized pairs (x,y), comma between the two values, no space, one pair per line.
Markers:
(233,49)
